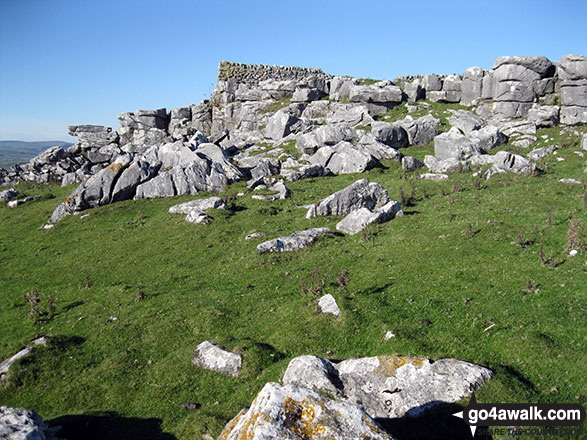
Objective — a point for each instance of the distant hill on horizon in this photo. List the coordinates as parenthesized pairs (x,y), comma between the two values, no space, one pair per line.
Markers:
(19,152)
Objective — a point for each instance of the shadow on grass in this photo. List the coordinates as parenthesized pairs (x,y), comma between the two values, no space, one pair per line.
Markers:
(438,424)
(108,425)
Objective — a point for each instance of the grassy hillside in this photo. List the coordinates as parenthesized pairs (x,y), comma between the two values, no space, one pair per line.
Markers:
(19,152)
(136,289)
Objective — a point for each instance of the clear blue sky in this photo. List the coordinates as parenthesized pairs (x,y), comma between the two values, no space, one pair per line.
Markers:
(65,62)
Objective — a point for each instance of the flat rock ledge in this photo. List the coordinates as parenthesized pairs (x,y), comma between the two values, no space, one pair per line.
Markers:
(292,412)
(212,357)
(7,363)
(23,424)
(293,242)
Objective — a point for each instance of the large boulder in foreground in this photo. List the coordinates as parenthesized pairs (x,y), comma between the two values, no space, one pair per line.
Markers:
(290,412)
(361,194)
(293,242)
(23,424)
(389,386)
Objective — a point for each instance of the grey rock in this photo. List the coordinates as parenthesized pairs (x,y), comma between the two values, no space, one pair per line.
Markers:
(306,95)
(472,85)
(571,181)
(488,137)
(413,90)
(212,357)
(378,150)
(343,158)
(304,172)
(266,166)
(340,87)
(313,373)
(453,144)
(523,141)
(160,186)
(539,64)
(279,125)
(466,121)
(380,92)
(15,203)
(292,412)
(293,242)
(584,142)
(360,218)
(573,115)
(200,204)
(521,127)
(323,135)
(361,194)
(431,83)
(572,67)
(544,115)
(410,163)
(505,162)
(540,153)
(510,110)
(419,131)
(390,386)
(419,384)
(350,115)
(434,176)
(23,424)
(392,134)
(327,304)
(281,192)
(8,194)
(137,172)
(450,164)
(574,93)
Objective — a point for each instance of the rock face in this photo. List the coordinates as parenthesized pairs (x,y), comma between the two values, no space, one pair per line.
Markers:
(210,356)
(23,424)
(505,162)
(292,412)
(389,386)
(191,149)
(293,242)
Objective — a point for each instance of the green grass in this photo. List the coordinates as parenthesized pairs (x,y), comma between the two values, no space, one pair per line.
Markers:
(206,282)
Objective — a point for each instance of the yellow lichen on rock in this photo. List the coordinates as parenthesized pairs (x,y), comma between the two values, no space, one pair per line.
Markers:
(389,364)
(115,167)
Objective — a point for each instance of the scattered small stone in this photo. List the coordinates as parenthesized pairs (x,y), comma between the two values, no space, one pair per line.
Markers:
(389,335)
(191,405)
(327,304)
(253,235)
(466,300)
(570,181)
(560,159)
(573,252)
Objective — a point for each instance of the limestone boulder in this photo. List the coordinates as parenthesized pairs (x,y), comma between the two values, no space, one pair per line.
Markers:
(419,131)
(410,163)
(212,357)
(200,205)
(506,162)
(361,194)
(379,92)
(392,134)
(472,85)
(23,424)
(297,240)
(350,115)
(540,153)
(466,121)
(292,412)
(455,145)
(360,218)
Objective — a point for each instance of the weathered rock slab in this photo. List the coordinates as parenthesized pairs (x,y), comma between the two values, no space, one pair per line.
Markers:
(212,357)
(293,242)
(23,424)
(361,194)
(290,412)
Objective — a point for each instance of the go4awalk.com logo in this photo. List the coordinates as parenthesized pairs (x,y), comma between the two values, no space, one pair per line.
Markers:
(521,414)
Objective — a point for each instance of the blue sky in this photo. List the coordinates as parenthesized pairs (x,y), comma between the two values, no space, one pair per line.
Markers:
(66,62)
